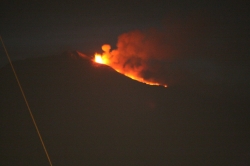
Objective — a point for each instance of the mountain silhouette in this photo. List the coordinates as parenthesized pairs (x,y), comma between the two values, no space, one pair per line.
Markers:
(88,114)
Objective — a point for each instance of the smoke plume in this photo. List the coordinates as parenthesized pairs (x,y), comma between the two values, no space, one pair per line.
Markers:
(141,54)
(187,47)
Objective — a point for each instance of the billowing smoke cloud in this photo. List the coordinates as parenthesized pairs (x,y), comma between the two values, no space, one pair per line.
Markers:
(141,54)
(187,48)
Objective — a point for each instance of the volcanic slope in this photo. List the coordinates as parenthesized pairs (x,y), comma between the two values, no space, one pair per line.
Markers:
(88,114)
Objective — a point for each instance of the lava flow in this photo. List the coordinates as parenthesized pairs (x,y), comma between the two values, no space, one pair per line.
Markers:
(107,58)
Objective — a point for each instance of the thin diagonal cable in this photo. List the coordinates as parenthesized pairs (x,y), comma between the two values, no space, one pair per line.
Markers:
(27,104)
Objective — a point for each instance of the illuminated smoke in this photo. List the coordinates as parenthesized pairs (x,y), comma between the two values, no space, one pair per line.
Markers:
(141,56)
(187,50)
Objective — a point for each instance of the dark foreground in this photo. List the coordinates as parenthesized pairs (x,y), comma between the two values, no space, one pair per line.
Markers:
(90,115)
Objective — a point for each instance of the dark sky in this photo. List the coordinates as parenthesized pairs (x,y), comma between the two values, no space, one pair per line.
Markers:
(83,25)
(40,28)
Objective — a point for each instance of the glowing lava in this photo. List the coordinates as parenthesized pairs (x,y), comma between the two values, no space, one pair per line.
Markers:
(98,58)
(106,58)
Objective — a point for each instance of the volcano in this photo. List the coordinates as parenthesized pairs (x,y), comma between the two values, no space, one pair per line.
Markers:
(89,114)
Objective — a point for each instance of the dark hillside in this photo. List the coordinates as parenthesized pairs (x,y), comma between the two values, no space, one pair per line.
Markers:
(88,114)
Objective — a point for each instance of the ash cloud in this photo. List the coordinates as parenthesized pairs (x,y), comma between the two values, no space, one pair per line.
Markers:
(174,53)
(142,53)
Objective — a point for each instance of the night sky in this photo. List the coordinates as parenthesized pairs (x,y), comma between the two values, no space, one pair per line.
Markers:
(29,28)
(208,38)
(207,70)
(42,28)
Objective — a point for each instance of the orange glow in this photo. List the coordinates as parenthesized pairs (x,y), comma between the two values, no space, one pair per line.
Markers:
(105,58)
(98,59)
